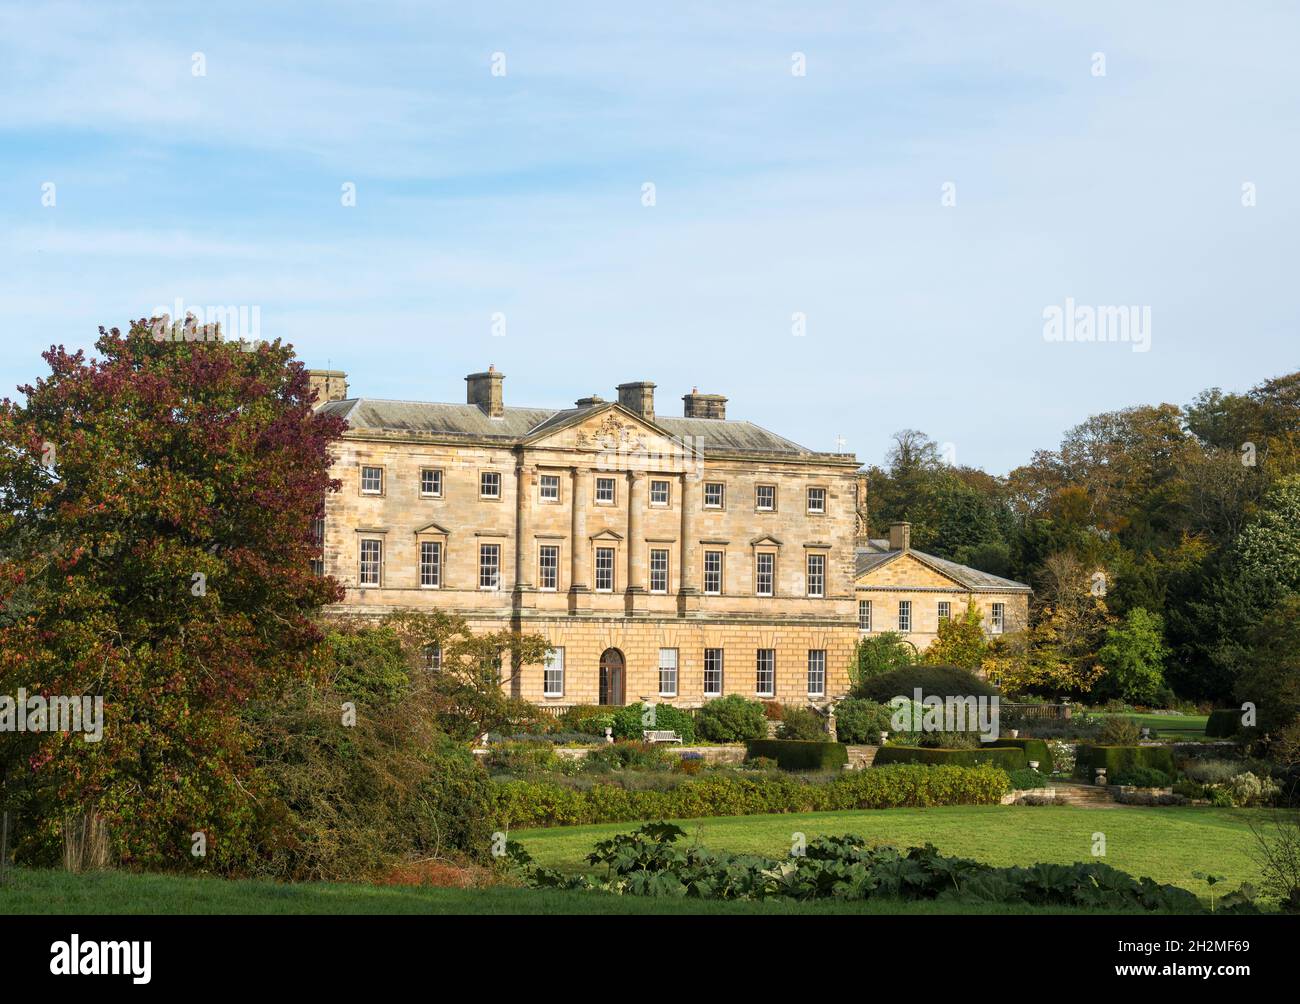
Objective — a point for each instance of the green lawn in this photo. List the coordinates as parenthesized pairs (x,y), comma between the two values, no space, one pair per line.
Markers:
(52,892)
(1168,844)
(1190,727)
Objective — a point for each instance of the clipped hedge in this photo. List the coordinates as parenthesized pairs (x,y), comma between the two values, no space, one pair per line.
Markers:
(1035,749)
(799,754)
(1008,758)
(1223,723)
(1121,758)
(525,804)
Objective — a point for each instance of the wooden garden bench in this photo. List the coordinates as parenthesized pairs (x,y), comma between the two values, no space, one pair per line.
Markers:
(661,736)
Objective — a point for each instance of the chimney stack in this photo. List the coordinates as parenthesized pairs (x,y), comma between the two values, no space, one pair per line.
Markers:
(484,390)
(699,405)
(329,385)
(638,397)
(587,402)
(900,536)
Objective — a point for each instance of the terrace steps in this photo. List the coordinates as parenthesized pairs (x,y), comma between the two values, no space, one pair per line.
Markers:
(1085,796)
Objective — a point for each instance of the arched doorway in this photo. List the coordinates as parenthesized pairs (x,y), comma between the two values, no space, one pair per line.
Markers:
(611,677)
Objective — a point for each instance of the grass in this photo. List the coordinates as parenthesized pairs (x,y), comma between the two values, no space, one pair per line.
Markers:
(33,891)
(1190,727)
(1167,843)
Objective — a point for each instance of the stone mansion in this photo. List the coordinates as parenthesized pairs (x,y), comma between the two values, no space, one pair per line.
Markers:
(669,559)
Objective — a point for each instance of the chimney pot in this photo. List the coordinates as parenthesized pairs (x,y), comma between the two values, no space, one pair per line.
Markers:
(484,390)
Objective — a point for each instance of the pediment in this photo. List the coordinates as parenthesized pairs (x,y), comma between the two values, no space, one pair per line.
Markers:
(767,540)
(636,443)
(906,570)
(433,528)
(606,535)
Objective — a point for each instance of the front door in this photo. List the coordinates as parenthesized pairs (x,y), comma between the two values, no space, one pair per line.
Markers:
(611,677)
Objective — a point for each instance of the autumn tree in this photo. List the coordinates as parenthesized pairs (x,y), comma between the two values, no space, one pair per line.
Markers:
(156,505)
(959,642)
(469,676)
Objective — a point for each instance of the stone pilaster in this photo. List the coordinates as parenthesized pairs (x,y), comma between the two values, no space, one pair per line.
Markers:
(579,584)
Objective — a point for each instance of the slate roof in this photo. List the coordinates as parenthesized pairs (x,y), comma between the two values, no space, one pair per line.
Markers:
(872,557)
(715,435)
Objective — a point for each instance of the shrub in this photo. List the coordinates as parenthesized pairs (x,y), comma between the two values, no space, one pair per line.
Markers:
(1141,777)
(1117,730)
(799,755)
(858,720)
(1223,723)
(1249,789)
(630,756)
(629,721)
(1213,771)
(524,804)
(732,719)
(1035,749)
(760,763)
(1001,756)
(941,681)
(646,863)
(522,757)
(1025,779)
(589,719)
(349,803)
(802,723)
(1120,758)
(773,711)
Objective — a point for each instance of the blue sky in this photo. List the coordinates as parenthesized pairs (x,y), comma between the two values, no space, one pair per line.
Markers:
(775,194)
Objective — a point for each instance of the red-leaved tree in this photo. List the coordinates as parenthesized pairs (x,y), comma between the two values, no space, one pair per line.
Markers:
(156,507)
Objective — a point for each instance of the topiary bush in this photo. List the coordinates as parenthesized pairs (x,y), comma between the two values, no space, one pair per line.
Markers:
(732,719)
(941,681)
(798,754)
(802,723)
(629,721)
(1223,723)
(860,721)
(1007,758)
(1117,759)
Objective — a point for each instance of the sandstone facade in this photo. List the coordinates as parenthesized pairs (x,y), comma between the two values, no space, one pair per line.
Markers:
(632,542)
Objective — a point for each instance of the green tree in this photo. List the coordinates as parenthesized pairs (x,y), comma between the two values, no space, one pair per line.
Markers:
(959,642)
(1134,655)
(879,653)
